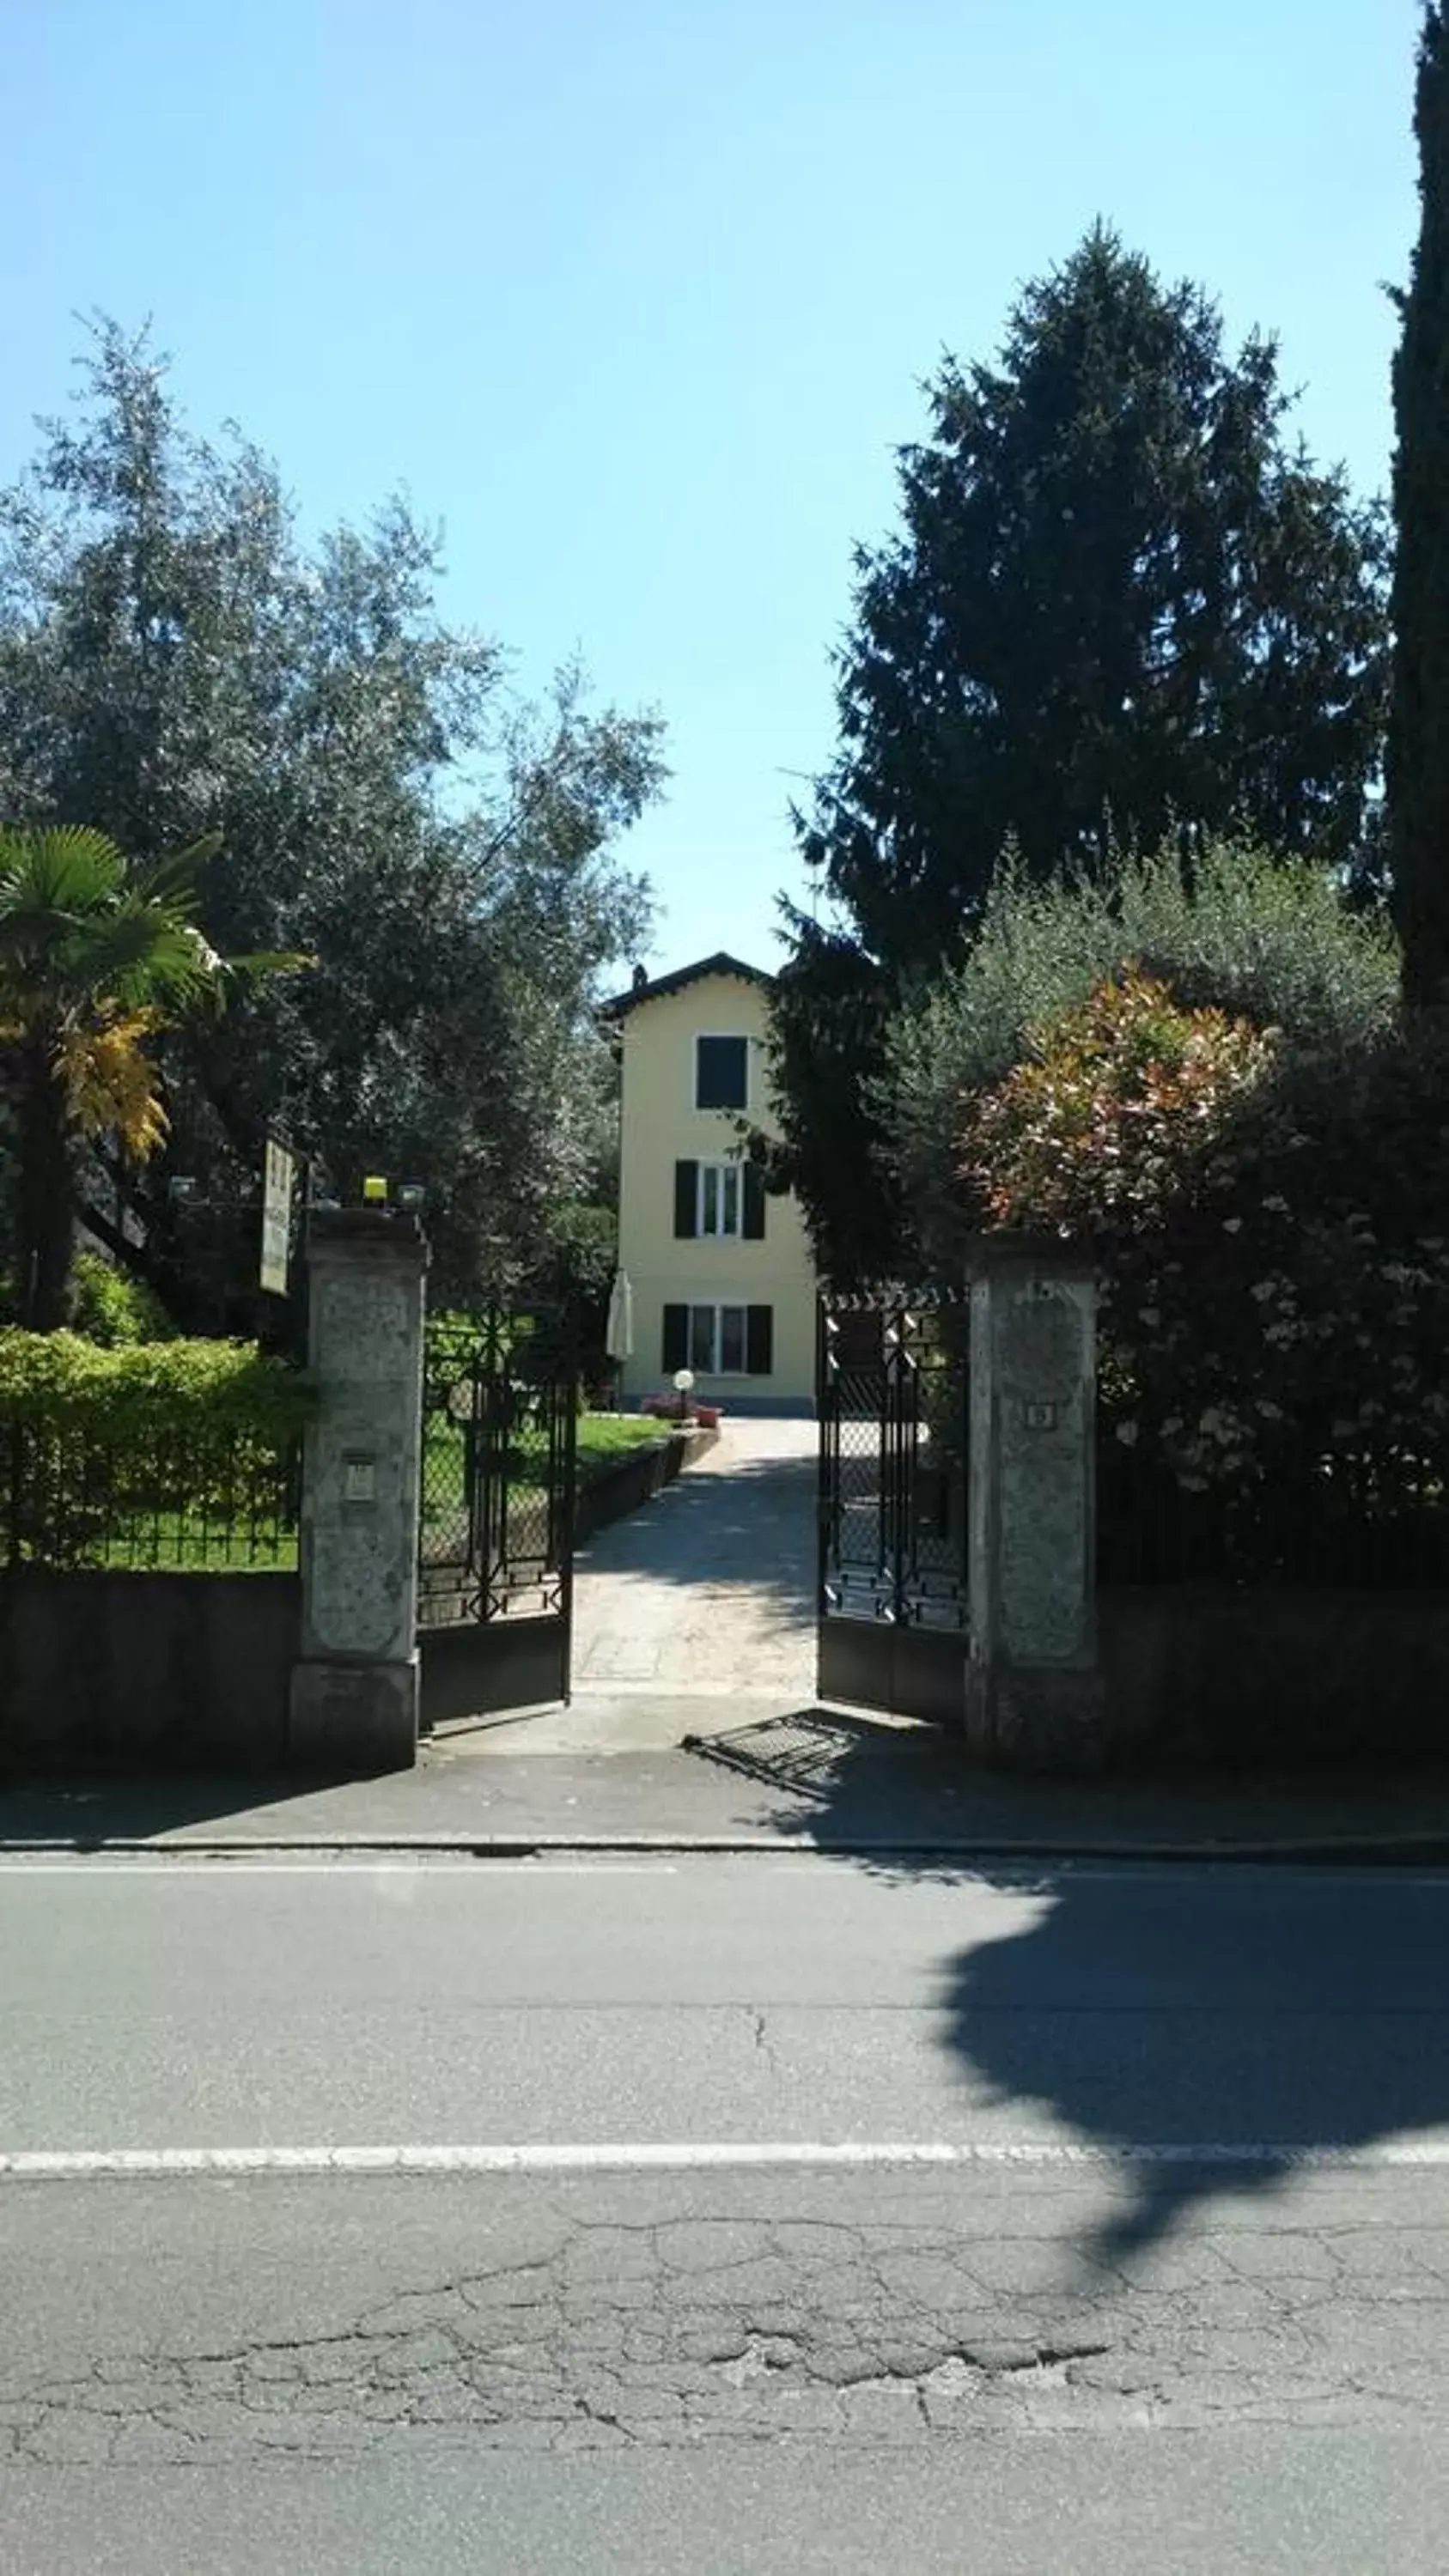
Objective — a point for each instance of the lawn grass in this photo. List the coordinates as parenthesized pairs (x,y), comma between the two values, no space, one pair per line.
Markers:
(606,1437)
(602,1439)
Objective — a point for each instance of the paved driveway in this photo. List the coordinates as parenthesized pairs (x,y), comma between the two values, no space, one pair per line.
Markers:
(710,1589)
(696,1614)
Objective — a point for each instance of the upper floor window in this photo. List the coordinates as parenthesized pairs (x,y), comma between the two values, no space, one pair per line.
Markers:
(721,1073)
(719,1198)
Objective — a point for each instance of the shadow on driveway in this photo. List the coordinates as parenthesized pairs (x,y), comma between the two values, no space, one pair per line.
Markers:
(711,1589)
(751,1524)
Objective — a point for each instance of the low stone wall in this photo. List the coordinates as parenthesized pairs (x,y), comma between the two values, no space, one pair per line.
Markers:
(1205,1677)
(1198,1675)
(169,1668)
(635,1480)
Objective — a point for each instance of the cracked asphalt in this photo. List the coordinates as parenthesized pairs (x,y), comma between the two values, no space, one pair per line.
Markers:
(746,2311)
(1231,2349)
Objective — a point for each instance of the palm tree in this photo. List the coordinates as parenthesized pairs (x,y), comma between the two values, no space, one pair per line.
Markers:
(97,957)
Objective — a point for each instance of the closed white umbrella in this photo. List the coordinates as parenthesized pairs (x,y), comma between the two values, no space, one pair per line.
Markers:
(619,1339)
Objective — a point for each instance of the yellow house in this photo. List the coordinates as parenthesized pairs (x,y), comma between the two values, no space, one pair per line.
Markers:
(721,1273)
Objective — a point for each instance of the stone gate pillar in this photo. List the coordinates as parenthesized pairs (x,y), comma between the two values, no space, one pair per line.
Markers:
(1033,1687)
(354,1698)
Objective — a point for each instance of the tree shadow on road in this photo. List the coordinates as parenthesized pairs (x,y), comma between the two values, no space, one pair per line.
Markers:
(1209,2029)
(1264,2015)
(1204,2026)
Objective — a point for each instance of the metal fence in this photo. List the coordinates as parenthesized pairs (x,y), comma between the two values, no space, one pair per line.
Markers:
(1308,1520)
(216,1499)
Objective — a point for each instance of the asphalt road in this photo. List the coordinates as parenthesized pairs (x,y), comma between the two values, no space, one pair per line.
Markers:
(1176,2295)
(166,2002)
(1222,2504)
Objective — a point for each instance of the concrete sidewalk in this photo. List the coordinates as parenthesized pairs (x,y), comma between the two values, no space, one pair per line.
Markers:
(813,1780)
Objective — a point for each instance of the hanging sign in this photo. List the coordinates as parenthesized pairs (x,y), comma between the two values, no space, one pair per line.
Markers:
(279,1182)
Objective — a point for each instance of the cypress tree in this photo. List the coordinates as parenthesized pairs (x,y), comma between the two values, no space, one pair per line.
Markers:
(1418,750)
(1121,598)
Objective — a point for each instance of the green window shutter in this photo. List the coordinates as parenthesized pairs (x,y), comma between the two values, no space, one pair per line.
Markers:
(676,1338)
(754,1225)
(686,1201)
(760,1340)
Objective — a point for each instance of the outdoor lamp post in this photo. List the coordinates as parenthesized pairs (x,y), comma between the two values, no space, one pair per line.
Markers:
(683,1388)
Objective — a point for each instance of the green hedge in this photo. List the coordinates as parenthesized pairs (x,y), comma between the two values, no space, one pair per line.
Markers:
(111,1307)
(63,1380)
(146,1454)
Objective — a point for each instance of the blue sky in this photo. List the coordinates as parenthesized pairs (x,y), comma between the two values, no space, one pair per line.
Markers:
(635,298)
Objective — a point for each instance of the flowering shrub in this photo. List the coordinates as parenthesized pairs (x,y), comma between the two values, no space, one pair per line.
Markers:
(1105,1123)
(1272,1236)
(1267,939)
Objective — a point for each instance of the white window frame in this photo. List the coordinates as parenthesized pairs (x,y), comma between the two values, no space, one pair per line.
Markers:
(724,1182)
(737,1037)
(713,1366)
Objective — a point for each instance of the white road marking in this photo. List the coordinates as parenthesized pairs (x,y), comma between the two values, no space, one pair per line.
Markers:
(220,1864)
(219,1867)
(161,2164)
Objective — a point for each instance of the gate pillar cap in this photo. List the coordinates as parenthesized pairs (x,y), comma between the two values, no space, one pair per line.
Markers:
(994,1256)
(393,1234)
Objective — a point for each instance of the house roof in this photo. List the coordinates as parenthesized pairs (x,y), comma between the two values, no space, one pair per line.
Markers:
(654,988)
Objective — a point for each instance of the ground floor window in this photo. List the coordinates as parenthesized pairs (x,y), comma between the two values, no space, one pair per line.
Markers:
(720,1341)
(717,1340)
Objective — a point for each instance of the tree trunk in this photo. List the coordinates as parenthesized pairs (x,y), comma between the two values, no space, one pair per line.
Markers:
(47,1201)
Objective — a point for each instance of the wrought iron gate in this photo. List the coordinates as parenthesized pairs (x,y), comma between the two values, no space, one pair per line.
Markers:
(893,1400)
(495,1551)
